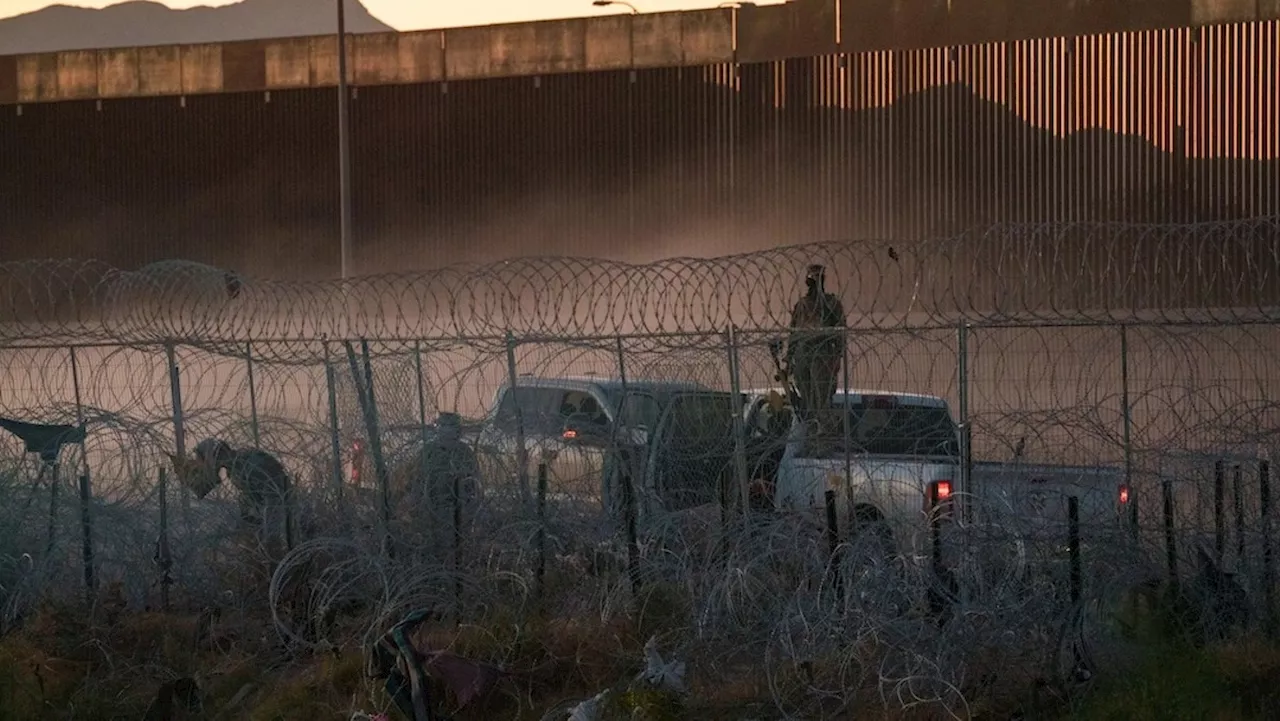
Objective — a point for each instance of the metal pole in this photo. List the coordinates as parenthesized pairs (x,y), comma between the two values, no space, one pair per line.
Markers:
(253,396)
(335,443)
(630,504)
(1268,558)
(620,470)
(962,382)
(739,431)
(164,559)
(344,141)
(422,422)
(1128,427)
(522,453)
(846,430)
(179,425)
(86,491)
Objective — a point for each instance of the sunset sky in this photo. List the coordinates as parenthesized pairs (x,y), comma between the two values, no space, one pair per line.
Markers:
(423,14)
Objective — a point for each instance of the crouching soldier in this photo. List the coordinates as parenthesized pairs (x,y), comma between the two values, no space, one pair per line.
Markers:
(259,477)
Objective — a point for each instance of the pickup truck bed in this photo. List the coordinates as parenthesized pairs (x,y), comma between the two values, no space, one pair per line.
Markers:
(886,479)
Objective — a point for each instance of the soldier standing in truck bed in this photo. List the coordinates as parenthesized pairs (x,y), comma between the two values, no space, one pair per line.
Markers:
(816,345)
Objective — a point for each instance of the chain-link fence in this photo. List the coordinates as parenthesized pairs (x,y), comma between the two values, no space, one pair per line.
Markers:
(997,485)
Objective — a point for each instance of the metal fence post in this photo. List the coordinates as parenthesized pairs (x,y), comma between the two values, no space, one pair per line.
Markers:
(966,436)
(164,558)
(179,425)
(86,490)
(1128,427)
(253,396)
(630,512)
(739,431)
(522,453)
(334,440)
(422,410)
(369,408)
(846,430)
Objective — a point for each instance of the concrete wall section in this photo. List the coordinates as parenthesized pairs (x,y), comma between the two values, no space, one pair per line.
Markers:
(800,28)
(160,70)
(118,73)
(78,74)
(201,69)
(607,42)
(541,48)
(420,56)
(38,78)
(288,63)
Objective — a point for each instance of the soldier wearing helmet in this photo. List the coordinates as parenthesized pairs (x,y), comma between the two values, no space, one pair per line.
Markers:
(816,345)
(260,478)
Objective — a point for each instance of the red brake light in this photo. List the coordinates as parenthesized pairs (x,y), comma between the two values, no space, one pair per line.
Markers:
(1124,495)
(936,494)
(944,490)
(570,435)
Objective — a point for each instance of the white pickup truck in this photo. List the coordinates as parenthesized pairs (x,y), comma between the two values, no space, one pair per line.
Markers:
(675,436)
(905,458)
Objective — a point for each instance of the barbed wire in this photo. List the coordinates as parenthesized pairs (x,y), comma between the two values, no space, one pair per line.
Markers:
(1008,273)
(1180,409)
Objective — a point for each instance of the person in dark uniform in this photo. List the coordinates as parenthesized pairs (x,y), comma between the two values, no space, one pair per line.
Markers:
(447,481)
(260,478)
(816,345)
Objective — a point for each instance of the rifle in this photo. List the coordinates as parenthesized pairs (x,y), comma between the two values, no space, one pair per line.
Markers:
(783,374)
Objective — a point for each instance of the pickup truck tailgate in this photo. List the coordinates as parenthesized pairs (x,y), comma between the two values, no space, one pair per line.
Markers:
(1033,498)
(895,486)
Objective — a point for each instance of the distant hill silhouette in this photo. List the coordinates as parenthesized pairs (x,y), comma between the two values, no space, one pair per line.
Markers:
(139,22)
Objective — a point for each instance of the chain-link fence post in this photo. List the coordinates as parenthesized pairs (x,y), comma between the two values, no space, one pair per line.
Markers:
(623,462)
(1127,413)
(369,409)
(253,395)
(739,431)
(522,453)
(335,443)
(422,410)
(86,491)
(966,428)
(845,429)
(179,424)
